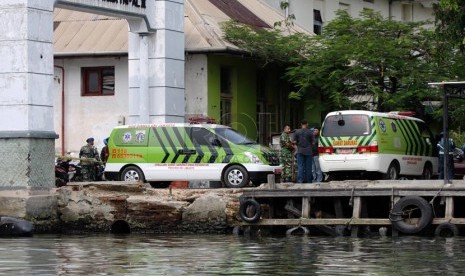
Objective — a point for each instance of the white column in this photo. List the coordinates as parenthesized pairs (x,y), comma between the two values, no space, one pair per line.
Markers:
(165,52)
(144,79)
(26,93)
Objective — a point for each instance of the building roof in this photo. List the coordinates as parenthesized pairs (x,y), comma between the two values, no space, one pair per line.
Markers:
(78,33)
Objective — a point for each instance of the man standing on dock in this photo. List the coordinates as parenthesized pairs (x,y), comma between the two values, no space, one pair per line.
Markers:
(450,156)
(287,149)
(303,138)
(317,174)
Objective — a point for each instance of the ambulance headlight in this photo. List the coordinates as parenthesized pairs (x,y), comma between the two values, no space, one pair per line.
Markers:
(253,158)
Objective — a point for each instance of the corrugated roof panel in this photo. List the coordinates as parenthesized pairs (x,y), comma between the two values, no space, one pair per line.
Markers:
(94,31)
(238,12)
(200,26)
(64,34)
(117,36)
(83,33)
(193,38)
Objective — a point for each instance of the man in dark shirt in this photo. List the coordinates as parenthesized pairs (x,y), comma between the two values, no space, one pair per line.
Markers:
(303,138)
(317,174)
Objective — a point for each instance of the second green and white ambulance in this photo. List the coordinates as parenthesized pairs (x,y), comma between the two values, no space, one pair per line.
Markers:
(184,152)
(375,143)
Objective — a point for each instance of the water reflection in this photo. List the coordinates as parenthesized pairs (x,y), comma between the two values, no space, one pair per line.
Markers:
(229,255)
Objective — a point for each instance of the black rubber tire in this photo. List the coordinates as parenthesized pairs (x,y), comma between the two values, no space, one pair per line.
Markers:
(404,208)
(446,230)
(392,172)
(236,177)
(132,174)
(250,210)
(427,172)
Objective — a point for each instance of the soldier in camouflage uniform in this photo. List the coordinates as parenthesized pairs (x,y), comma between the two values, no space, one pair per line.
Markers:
(286,154)
(88,167)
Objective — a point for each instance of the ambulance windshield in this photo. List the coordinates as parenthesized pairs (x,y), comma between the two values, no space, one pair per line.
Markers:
(346,125)
(233,136)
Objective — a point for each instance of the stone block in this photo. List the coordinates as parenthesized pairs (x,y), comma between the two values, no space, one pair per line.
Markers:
(206,207)
(41,207)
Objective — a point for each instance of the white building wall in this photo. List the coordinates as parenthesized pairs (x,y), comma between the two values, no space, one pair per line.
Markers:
(303,9)
(96,116)
(196,68)
(88,116)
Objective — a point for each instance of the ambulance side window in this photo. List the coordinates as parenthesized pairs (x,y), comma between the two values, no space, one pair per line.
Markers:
(203,137)
(426,134)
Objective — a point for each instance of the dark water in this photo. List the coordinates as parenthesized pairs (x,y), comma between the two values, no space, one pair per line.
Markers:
(230,255)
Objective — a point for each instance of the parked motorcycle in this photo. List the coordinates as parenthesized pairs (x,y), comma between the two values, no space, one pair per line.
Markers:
(66,171)
(61,172)
(99,172)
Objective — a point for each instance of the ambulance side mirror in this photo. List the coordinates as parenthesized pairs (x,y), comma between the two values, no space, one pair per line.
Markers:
(215,142)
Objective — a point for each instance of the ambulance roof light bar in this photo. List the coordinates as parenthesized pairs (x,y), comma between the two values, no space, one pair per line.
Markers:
(202,120)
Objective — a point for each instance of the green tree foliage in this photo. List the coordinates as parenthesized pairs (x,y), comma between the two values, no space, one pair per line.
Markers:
(270,46)
(368,62)
(450,31)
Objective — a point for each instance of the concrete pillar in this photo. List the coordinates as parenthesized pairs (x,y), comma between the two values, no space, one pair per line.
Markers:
(165,102)
(27,134)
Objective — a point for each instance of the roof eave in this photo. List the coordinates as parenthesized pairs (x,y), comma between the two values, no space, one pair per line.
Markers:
(94,54)
(225,49)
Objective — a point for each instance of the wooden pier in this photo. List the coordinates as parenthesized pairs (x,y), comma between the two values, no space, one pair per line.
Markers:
(351,207)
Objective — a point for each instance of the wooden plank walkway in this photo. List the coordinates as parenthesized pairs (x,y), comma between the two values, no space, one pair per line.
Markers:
(352,197)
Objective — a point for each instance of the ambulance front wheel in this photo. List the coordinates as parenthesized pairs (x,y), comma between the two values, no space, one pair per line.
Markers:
(236,177)
(132,174)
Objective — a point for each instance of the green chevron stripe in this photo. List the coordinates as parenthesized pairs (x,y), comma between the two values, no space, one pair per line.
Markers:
(401,126)
(417,134)
(418,144)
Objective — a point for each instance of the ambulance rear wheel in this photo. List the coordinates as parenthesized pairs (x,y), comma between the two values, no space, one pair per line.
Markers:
(392,172)
(132,174)
(236,177)
(427,172)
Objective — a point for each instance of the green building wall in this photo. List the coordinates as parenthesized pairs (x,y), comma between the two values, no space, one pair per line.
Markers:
(243,102)
(244,96)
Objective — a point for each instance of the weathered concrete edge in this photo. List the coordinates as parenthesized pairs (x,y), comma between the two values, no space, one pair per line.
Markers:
(95,207)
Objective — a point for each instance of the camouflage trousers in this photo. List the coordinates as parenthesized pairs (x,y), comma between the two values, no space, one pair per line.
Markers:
(88,173)
(286,163)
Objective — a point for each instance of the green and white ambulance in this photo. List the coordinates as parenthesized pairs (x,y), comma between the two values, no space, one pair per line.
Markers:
(373,143)
(185,152)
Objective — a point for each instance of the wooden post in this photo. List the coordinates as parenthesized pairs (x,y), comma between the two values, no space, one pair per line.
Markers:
(449,207)
(271,181)
(356,212)
(338,210)
(305,207)
(395,232)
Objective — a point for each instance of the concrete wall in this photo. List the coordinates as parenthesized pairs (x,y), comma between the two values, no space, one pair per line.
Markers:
(88,116)
(196,68)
